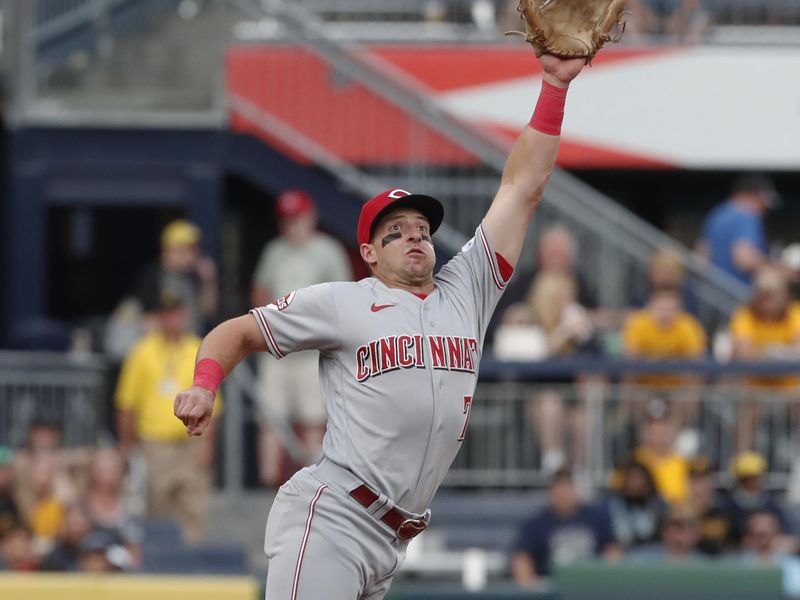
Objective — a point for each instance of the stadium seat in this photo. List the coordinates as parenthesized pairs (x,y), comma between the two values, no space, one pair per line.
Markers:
(197,560)
(482,520)
(495,507)
(161,533)
(487,537)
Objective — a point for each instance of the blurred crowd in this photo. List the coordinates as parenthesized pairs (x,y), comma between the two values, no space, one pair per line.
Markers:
(551,313)
(83,509)
(659,510)
(660,21)
(665,502)
(65,509)
(678,21)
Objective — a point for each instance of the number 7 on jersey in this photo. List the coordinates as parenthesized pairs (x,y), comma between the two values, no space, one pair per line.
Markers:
(467,411)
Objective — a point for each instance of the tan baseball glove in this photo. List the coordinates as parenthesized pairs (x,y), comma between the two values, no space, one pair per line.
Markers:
(571,28)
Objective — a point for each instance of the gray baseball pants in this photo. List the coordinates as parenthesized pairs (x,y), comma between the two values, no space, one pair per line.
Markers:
(322,544)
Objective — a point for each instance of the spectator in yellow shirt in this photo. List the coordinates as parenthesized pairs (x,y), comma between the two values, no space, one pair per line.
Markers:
(663,331)
(768,328)
(179,466)
(47,510)
(670,470)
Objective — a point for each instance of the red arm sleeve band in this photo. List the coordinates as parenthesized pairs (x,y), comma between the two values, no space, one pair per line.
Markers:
(208,374)
(549,113)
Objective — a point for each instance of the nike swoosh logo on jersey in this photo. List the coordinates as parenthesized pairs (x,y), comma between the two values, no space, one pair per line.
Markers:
(378,308)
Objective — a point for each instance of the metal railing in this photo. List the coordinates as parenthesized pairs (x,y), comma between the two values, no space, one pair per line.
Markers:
(467,11)
(594,423)
(495,16)
(118,62)
(241,398)
(55,18)
(595,426)
(67,390)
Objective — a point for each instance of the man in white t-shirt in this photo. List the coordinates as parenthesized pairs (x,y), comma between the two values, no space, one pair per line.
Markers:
(299,257)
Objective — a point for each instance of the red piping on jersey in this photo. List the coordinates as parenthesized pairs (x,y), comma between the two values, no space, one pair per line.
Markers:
(498,281)
(304,543)
(268,333)
(506,270)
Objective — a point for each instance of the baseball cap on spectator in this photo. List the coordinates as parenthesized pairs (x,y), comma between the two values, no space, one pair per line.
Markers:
(169,299)
(293,204)
(165,297)
(748,464)
(700,466)
(679,515)
(376,208)
(110,544)
(758,183)
(180,233)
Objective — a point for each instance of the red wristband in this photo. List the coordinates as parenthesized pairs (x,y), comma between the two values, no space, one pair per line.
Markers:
(208,374)
(549,112)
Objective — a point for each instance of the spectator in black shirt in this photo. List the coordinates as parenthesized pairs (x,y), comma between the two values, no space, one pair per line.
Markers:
(636,509)
(564,532)
(713,521)
(749,497)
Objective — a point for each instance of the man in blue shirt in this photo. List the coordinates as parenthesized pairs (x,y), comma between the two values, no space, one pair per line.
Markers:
(564,532)
(733,234)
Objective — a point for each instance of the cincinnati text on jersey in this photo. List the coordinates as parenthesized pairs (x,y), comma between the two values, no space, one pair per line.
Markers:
(447,353)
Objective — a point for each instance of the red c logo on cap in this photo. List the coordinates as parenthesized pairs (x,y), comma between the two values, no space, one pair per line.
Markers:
(395,194)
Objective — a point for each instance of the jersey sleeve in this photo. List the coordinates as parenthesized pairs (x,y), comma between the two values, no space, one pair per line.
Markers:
(480,273)
(303,320)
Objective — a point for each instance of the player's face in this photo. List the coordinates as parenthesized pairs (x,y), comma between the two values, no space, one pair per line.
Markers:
(401,250)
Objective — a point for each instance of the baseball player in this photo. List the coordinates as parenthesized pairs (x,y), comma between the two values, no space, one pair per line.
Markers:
(399,356)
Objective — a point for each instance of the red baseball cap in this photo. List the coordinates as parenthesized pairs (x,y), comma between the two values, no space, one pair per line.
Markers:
(376,208)
(293,203)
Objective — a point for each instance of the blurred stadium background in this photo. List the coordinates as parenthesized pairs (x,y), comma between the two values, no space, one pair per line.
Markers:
(119,116)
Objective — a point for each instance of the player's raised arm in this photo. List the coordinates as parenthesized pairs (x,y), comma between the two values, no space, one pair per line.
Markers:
(531,161)
(221,350)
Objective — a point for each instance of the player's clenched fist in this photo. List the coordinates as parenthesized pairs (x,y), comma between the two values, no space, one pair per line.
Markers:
(194,408)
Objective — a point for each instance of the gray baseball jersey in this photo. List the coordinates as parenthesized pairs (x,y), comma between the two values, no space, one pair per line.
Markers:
(397,372)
